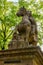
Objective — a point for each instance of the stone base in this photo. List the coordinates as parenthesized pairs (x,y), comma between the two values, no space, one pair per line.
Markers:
(23,56)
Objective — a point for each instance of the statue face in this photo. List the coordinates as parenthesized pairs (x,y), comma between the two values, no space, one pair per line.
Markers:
(29,13)
(21,11)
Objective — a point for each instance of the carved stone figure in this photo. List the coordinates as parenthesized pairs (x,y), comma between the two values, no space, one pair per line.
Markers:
(33,34)
(27,30)
(24,28)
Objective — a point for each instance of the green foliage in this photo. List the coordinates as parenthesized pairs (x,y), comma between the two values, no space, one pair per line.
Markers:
(8,18)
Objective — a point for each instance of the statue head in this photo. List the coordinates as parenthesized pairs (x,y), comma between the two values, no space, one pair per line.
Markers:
(22,11)
(29,13)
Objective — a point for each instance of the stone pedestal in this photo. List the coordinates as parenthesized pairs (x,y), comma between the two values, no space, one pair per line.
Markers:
(23,56)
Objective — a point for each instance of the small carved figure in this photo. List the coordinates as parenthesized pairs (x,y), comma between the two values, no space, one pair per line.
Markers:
(26,30)
(24,27)
(33,34)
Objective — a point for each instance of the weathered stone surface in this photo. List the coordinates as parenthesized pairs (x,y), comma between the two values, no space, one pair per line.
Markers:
(25,33)
(22,56)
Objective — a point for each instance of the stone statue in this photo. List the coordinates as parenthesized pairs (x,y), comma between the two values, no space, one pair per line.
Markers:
(26,30)
(33,34)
